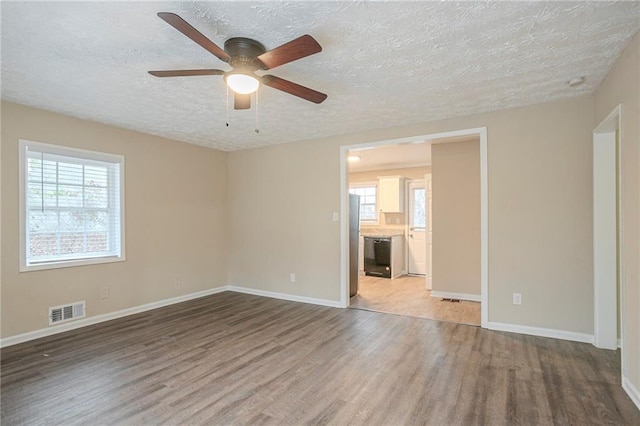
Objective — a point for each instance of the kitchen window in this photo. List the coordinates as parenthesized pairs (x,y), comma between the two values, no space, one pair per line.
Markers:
(368,201)
(71,207)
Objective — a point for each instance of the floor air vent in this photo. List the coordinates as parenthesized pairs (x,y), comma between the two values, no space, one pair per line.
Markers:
(63,313)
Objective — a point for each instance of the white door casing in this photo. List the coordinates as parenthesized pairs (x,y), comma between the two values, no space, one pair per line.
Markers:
(429,233)
(606,248)
(416,241)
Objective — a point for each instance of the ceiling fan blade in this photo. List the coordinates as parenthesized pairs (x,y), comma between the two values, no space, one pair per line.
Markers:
(288,52)
(293,88)
(241,101)
(185,28)
(185,73)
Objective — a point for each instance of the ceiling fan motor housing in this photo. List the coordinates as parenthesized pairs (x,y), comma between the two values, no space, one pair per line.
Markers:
(244,52)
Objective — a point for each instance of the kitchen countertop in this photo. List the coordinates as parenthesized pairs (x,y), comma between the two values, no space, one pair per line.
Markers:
(382,233)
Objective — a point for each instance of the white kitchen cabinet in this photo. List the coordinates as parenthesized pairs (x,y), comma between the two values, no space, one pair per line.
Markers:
(391,194)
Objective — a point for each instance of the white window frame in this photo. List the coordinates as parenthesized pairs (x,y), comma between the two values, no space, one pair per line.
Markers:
(369,185)
(82,154)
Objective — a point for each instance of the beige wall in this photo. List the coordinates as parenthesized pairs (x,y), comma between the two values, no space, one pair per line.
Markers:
(540,238)
(281,201)
(176,217)
(456,217)
(622,86)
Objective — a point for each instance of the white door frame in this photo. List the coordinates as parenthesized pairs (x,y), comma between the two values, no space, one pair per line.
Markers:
(481,132)
(607,246)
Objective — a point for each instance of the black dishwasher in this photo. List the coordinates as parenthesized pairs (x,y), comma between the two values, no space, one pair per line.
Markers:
(377,257)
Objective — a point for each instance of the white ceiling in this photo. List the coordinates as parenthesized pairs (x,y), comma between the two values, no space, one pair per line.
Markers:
(383,64)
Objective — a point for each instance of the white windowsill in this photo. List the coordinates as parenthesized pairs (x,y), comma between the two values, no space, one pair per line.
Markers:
(71,263)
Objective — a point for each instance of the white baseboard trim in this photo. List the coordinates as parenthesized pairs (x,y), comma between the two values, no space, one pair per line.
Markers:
(632,391)
(32,335)
(25,337)
(284,296)
(461,296)
(541,332)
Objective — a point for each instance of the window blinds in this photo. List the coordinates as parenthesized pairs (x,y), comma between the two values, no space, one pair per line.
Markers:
(72,204)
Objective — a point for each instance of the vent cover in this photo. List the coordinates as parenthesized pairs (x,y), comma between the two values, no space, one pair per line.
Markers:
(64,313)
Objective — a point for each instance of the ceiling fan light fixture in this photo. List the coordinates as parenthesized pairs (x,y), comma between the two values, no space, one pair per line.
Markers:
(242,83)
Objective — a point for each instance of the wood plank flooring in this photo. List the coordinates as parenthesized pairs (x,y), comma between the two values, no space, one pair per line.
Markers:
(407,295)
(238,359)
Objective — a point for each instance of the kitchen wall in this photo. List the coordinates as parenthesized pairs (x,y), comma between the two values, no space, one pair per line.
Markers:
(540,232)
(392,221)
(622,86)
(456,217)
(176,222)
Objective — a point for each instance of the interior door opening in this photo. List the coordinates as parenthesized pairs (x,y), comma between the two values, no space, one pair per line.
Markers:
(607,249)
(415,221)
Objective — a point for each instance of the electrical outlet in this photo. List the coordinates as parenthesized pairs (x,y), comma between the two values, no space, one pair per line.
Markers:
(517,298)
(335,216)
(293,278)
(104,293)
(178,282)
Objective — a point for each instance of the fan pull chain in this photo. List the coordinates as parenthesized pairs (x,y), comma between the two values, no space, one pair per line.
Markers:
(257,105)
(227,112)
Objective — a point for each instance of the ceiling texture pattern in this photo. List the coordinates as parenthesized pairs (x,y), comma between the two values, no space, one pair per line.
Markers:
(383,64)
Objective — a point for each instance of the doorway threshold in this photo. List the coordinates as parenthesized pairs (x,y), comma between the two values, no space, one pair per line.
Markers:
(407,296)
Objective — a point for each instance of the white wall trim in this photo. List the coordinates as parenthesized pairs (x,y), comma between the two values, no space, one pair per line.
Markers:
(632,391)
(344,228)
(49,331)
(461,296)
(541,332)
(512,328)
(284,296)
(484,227)
(611,122)
(605,222)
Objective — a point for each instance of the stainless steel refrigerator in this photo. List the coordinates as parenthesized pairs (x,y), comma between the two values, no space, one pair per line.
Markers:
(354,242)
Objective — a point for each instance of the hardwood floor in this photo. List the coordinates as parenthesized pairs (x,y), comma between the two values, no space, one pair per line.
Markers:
(407,295)
(238,359)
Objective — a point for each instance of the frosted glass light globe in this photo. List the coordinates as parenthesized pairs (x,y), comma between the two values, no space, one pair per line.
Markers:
(242,83)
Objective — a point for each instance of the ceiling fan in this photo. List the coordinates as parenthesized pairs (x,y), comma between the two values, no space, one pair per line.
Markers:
(246,56)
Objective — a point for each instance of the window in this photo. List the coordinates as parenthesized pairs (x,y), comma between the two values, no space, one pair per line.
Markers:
(71,207)
(418,213)
(368,206)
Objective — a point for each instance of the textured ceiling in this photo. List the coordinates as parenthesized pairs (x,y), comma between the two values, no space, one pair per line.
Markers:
(383,64)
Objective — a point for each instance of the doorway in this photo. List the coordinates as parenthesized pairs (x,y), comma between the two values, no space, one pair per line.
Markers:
(608,308)
(479,134)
